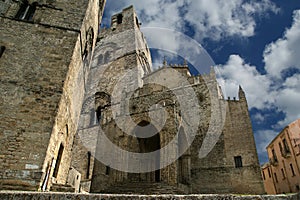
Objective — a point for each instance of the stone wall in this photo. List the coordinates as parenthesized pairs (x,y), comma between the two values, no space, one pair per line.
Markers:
(42,79)
(26,195)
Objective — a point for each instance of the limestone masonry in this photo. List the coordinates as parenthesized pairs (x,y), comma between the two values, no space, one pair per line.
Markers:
(69,92)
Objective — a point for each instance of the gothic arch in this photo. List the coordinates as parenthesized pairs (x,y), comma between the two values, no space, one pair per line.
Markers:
(102,100)
(146,145)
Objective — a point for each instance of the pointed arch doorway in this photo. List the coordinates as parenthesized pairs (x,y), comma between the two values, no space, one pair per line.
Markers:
(146,145)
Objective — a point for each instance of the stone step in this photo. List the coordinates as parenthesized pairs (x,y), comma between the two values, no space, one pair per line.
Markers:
(142,188)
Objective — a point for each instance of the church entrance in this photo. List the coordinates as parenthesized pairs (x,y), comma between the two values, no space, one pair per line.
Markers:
(146,145)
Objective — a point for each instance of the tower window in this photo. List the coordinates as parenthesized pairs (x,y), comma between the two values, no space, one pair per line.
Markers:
(2,49)
(88,165)
(26,11)
(269,172)
(238,161)
(120,19)
(98,114)
(107,170)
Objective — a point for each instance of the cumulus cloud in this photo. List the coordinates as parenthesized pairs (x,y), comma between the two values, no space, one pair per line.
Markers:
(284,53)
(216,19)
(236,72)
(273,89)
(212,19)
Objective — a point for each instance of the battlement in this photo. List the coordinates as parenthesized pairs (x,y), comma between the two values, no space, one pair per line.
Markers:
(125,20)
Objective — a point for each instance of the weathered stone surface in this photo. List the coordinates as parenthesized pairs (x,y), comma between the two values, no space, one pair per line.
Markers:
(125,98)
(59,90)
(42,84)
(8,195)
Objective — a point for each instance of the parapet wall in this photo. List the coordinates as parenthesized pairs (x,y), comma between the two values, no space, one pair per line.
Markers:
(12,195)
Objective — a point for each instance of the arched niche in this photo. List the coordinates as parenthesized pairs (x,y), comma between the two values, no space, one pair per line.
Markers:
(146,145)
(102,100)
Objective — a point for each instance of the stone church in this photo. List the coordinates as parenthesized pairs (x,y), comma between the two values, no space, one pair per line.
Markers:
(83,110)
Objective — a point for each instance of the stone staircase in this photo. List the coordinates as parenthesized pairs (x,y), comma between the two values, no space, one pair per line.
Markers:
(146,188)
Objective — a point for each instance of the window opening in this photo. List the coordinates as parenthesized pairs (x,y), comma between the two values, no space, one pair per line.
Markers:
(275,175)
(58,160)
(283,175)
(2,49)
(238,161)
(88,165)
(274,155)
(107,170)
(120,19)
(26,11)
(292,169)
(286,146)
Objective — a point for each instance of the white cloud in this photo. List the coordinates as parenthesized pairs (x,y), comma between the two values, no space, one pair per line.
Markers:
(271,90)
(284,53)
(259,118)
(216,19)
(268,91)
(209,18)
(236,72)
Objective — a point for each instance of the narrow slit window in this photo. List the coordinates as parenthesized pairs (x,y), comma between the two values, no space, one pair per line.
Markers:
(283,175)
(292,169)
(58,160)
(107,170)
(275,175)
(88,165)
(2,49)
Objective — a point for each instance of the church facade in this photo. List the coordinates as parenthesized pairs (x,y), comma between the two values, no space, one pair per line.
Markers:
(88,110)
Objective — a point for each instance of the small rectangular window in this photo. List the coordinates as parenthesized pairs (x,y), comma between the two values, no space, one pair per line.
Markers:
(26,11)
(2,49)
(264,177)
(292,169)
(283,175)
(286,146)
(275,175)
(269,172)
(274,155)
(120,19)
(88,165)
(238,161)
(107,170)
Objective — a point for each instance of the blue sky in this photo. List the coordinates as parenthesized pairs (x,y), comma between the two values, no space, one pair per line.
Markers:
(254,43)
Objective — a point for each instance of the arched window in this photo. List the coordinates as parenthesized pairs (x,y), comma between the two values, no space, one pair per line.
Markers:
(26,11)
